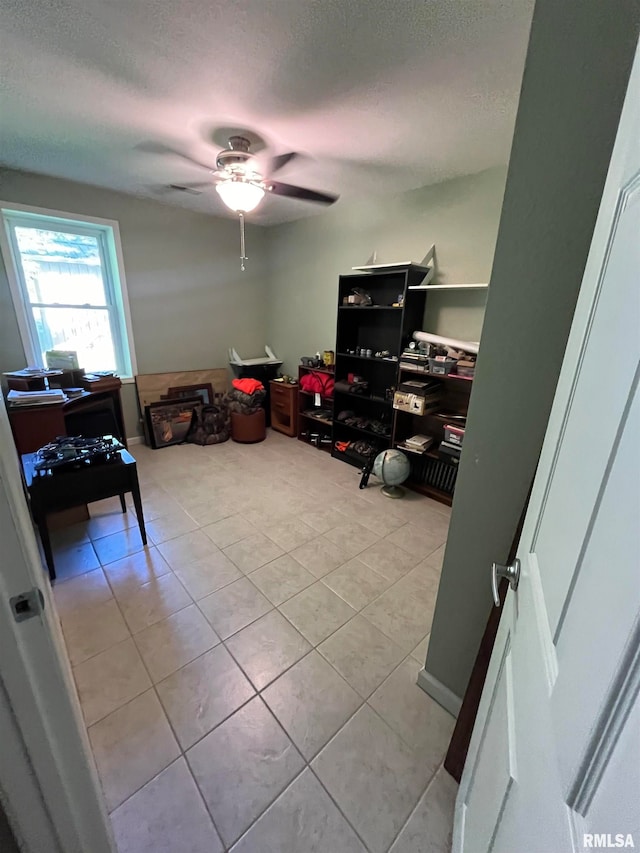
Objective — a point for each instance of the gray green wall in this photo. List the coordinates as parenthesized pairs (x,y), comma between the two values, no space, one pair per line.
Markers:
(460,216)
(572,93)
(189,301)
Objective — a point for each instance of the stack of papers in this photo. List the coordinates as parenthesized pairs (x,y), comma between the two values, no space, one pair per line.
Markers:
(36,398)
(31,373)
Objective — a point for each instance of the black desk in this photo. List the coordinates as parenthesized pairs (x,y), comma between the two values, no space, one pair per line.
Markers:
(66,489)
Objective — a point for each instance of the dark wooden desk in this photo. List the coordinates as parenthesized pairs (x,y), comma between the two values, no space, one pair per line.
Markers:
(35,426)
(77,487)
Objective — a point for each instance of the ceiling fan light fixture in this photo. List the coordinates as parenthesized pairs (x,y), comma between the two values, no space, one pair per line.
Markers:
(240,196)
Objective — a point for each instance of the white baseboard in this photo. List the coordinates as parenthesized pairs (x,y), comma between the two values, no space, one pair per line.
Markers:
(438,691)
(135,439)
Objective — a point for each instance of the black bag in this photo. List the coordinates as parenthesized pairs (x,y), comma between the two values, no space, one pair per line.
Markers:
(209,425)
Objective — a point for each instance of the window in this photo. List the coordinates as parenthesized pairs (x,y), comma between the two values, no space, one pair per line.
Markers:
(68,288)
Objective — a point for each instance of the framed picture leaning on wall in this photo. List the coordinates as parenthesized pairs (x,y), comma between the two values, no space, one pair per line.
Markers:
(168,421)
(204,390)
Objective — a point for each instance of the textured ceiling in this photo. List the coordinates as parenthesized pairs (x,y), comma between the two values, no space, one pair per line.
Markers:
(381,94)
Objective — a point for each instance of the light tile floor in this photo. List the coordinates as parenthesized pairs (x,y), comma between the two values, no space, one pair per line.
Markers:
(248,678)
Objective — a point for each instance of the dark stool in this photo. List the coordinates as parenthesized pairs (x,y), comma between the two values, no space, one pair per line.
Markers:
(248,429)
(66,489)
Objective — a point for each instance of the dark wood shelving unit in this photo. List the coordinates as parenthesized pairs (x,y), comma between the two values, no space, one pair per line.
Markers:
(316,420)
(309,424)
(384,326)
(366,432)
(367,398)
(381,326)
(369,308)
(393,361)
(450,377)
(432,474)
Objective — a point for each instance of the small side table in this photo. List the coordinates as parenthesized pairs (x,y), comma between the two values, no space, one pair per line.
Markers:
(66,489)
(284,407)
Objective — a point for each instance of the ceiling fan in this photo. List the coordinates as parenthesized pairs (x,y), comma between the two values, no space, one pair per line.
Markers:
(241,181)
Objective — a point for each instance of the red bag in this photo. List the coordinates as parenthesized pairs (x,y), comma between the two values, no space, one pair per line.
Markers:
(318,383)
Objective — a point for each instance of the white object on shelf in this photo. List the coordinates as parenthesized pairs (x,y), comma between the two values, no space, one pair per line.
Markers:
(425,266)
(454,343)
(271,358)
(449,287)
(396,265)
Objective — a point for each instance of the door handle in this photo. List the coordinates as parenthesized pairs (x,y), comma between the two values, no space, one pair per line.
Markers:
(511,573)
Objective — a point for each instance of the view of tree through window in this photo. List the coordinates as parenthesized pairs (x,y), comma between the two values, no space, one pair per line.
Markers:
(65,285)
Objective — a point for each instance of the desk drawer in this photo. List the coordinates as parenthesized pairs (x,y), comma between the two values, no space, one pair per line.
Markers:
(281,405)
(282,392)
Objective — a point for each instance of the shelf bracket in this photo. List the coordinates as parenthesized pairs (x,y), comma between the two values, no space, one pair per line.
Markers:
(426,261)
(429,260)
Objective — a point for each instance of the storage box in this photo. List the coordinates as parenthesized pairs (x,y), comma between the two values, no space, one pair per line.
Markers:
(415,386)
(407,402)
(453,434)
(442,365)
(466,368)
(449,451)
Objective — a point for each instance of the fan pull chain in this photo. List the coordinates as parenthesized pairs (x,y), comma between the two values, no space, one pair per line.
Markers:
(243,256)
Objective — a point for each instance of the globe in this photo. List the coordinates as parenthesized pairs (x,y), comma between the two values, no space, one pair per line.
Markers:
(393,468)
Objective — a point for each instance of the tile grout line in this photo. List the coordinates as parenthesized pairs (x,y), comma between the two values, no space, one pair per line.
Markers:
(183,755)
(415,808)
(306,766)
(279,794)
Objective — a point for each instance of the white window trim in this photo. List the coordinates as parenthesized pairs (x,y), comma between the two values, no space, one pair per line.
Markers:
(32,356)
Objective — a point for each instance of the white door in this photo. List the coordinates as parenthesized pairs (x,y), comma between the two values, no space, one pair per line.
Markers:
(49,785)
(554,761)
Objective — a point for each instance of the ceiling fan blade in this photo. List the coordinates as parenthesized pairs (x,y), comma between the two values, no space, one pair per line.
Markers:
(291,191)
(181,189)
(172,189)
(193,188)
(280,161)
(160,148)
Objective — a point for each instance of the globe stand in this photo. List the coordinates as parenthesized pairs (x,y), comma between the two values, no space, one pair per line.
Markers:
(392,467)
(392,491)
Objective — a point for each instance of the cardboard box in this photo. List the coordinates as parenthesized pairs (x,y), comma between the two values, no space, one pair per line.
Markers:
(407,402)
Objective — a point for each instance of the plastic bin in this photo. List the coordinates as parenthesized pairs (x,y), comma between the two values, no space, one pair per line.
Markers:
(453,434)
(442,365)
(264,369)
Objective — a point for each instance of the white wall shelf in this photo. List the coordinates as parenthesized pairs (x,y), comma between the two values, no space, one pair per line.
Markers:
(449,287)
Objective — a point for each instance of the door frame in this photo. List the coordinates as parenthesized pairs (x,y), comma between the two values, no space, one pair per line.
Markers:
(48,778)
